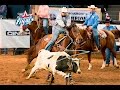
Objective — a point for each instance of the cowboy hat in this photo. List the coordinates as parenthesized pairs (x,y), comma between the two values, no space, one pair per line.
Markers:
(92,6)
(64,9)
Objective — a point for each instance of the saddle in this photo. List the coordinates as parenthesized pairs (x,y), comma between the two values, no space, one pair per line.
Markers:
(101,34)
(60,38)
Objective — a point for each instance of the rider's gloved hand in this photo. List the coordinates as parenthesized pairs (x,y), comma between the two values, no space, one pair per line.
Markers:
(66,31)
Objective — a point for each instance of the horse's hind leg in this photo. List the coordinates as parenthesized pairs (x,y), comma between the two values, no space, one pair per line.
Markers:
(115,61)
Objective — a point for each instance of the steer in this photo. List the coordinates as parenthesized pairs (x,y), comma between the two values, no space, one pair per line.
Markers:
(56,62)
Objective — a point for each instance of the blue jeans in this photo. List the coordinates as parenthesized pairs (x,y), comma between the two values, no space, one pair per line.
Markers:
(45,25)
(108,54)
(55,34)
(95,37)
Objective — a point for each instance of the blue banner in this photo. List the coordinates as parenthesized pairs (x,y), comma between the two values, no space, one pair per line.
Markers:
(23,20)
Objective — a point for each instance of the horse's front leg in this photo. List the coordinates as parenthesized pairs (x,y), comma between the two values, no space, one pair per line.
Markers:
(89,60)
(104,58)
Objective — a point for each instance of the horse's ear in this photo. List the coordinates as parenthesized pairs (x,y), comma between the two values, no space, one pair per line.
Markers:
(34,22)
(73,24)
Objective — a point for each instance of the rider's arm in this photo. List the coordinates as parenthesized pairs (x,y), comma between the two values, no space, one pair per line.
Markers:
(96,21)
(68,21)
(86,20)
(59,21)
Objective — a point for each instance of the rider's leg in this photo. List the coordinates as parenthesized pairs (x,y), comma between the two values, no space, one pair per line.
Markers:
(45,25)
(96,38)
(55,34)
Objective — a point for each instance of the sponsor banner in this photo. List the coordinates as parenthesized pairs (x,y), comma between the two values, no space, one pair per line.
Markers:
(24,19)
(77,14)
(10,36)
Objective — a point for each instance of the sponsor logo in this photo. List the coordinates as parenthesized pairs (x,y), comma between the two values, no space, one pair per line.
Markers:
(17,33)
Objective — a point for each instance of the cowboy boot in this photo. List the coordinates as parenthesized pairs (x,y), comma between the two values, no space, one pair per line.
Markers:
(95,48)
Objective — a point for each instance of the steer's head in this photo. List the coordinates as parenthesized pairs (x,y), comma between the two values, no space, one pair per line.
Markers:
(76,65)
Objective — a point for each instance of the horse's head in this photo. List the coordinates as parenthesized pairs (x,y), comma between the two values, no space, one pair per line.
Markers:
(84,38)
(31,26)
(75,33)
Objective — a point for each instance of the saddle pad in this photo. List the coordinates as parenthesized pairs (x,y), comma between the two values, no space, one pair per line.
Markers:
(102,34)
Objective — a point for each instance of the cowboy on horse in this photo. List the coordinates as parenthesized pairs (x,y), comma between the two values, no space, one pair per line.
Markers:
(92,21)
(62,21)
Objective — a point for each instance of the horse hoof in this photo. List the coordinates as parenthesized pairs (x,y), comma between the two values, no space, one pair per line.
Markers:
(79,72)
(102,67)
(107,65)
(89,69)
(116,66)
(23,70)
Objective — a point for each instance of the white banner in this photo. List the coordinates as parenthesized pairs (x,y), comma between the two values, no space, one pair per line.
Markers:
(77,14)
(10,37)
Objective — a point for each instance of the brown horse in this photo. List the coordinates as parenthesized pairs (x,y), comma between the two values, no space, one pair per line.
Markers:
(65,41)
(36,31)
(105,42)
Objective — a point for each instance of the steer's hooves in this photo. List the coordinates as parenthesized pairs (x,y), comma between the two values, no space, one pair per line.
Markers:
(23,70)
(72,82)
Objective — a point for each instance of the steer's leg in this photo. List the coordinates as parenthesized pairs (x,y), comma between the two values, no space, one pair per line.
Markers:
(70,79)
(50,77)
(32,71)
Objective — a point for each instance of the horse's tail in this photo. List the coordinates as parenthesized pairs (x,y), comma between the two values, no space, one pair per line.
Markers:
(116,33)
(110,37)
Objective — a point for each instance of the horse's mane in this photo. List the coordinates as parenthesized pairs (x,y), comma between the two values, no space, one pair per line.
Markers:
(83,33)
(73,24)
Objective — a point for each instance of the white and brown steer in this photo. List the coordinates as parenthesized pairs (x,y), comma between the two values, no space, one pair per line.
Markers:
(56,62)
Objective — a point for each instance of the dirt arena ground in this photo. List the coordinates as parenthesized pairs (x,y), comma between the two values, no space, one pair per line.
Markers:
(12,65)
